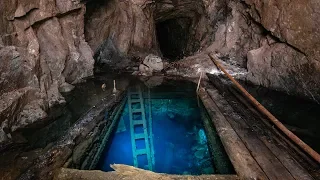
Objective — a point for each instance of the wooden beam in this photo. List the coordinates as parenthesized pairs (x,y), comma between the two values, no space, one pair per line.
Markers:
(264,111)
(243,162)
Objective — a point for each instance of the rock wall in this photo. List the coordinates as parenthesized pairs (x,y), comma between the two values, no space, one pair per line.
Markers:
(128,24)
(42,48)
(43,45)
(129,27)
(276,41)
(291,61)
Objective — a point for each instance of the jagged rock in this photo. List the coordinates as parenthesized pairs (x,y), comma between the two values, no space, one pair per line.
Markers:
(66,87)
(42,46)
(129,23)
(3,136)
(17,71)
(108,53)
(109,56)
(1,43)
(242,27)
(13,102)
(281,67)
(31,114)
(80,59)
(145,70)
(291,23)
(153,62)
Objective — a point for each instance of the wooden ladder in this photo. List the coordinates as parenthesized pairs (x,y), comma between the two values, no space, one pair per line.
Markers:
(137,117)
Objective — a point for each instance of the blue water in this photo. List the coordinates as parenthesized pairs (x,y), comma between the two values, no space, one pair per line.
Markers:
(180,144)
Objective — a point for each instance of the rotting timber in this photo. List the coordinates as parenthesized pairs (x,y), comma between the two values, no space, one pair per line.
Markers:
(255,147)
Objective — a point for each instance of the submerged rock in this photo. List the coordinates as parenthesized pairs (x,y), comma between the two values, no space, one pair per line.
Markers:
(208,170)
(171,115)
(202,138)
(199,147)
(200,154)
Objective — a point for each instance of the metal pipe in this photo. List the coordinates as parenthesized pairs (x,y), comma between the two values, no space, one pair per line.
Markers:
(264,111)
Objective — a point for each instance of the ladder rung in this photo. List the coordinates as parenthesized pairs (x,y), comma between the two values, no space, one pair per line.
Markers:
(138,122)
(141,151)
(139,136)
(136,110)
(135,100)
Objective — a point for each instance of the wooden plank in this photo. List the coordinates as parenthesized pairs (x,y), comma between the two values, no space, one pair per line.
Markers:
(270,164)
(305,147)
(278,149)
(279,138)
(243,162)
(277,143)
(220,158)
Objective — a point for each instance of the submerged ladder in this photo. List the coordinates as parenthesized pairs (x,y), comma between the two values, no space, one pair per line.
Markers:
(137,117)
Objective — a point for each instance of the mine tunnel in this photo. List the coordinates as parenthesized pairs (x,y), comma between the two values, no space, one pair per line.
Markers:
(173,37)
(165,89)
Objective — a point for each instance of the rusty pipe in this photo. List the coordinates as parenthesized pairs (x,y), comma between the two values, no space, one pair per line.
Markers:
(274,120)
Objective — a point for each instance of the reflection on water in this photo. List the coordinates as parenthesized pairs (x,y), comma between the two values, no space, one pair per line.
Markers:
(179,140)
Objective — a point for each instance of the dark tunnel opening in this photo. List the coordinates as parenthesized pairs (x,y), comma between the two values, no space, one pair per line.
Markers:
(173,36)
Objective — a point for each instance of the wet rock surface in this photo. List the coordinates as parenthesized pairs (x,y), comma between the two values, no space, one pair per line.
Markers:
(295,56)
(285,69)
(269,39)
(42,47)
(34,146)
(128,24)
(150,64)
